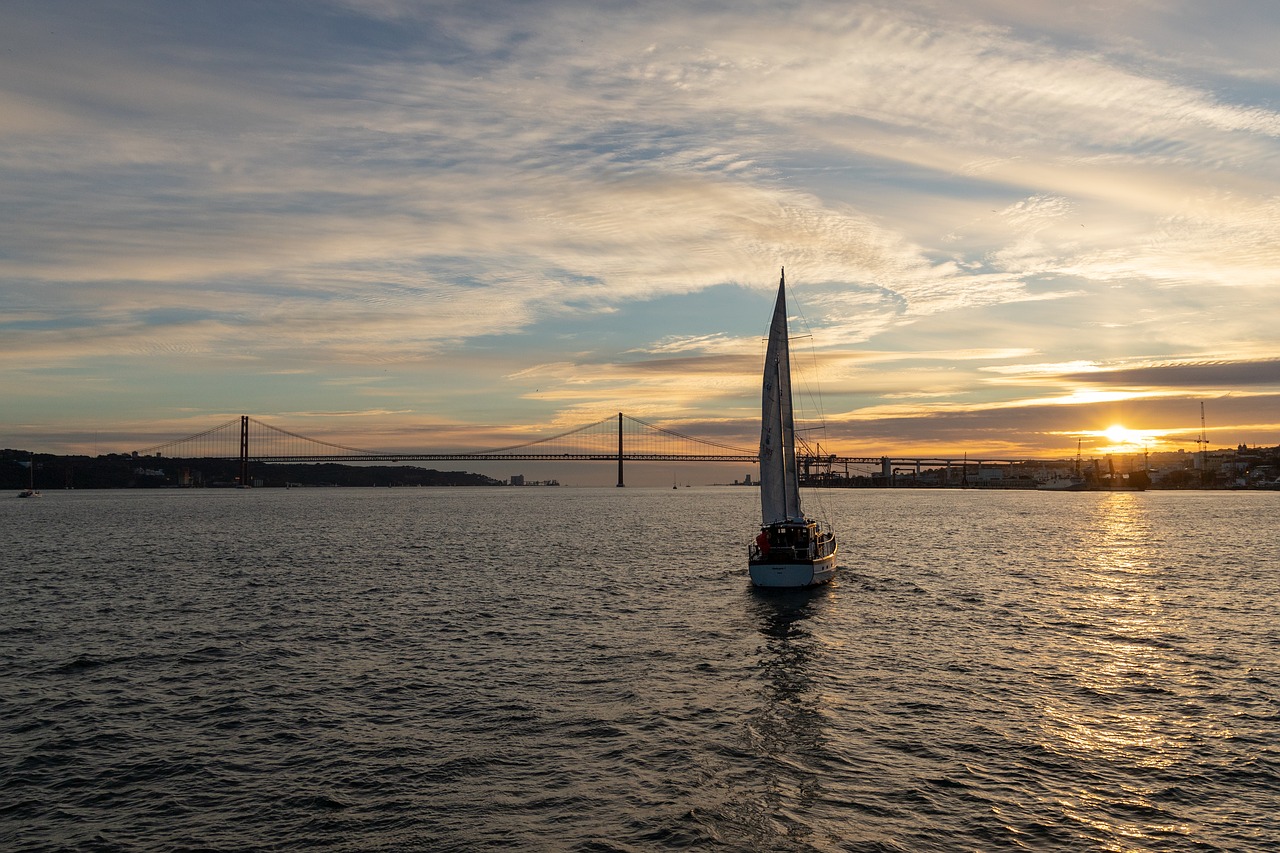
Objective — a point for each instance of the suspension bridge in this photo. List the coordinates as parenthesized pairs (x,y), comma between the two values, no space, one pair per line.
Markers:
(618,438)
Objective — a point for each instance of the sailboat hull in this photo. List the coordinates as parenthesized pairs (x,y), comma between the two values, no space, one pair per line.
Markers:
(793,575)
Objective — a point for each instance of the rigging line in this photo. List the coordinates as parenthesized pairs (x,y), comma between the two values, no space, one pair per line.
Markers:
(816,398)
(811,378)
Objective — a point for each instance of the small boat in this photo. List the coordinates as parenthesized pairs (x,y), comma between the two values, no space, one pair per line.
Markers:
(31,491)
(792,550)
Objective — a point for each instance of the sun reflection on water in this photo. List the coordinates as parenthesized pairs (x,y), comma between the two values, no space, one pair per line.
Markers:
(1122,668)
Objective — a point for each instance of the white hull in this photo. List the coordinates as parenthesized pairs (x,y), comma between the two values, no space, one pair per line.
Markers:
(793,575)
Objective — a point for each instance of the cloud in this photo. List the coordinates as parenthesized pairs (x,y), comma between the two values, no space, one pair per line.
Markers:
(1198,375)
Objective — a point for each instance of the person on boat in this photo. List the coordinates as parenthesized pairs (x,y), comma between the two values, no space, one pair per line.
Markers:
(762,542)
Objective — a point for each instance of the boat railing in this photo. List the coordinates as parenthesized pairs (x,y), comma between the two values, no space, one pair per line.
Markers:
(780,553)
(816,549)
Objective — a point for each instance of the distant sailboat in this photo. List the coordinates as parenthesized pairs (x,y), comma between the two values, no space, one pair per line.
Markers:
(31,491)
(791,550)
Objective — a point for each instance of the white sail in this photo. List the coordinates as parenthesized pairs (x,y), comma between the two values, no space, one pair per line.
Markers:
(779,479)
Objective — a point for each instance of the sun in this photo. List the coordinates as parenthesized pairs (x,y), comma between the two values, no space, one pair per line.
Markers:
(1119,435)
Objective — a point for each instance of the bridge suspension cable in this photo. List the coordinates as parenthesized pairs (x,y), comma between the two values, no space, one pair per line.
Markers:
(640,440)
(547,440)
(735,451)
(227,440)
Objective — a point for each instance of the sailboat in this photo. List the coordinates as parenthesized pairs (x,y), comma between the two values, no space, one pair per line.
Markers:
(31,491)
(792,550)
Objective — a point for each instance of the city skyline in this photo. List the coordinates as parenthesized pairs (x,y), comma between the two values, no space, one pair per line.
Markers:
(1008,228)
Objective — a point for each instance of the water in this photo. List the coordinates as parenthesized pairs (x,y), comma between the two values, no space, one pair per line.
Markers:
(564,669)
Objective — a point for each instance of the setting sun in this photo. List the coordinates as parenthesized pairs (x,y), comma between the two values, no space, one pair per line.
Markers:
(1117,434)
(1121,437)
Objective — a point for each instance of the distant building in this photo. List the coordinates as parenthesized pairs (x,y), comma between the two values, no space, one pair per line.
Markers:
(517,479)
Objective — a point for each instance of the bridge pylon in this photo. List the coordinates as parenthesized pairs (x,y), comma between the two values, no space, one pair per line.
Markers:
(244,451)
(620,483)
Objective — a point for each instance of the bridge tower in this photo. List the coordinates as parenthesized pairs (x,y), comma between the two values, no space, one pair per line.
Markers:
(620,483)
(244,451)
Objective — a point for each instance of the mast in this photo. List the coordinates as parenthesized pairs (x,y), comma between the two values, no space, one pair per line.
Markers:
(787,461)
(779,480)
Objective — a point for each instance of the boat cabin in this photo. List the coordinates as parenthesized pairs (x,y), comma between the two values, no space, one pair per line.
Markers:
(789,540)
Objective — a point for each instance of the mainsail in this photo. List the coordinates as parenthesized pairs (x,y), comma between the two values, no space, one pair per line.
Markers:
(779,479)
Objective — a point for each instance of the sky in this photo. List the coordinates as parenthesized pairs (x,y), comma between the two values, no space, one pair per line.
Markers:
(1007,225)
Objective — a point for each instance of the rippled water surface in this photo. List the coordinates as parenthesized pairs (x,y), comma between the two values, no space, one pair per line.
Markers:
(565,669)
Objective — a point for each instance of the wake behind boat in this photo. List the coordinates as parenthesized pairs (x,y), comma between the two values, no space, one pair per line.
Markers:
(792,550)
